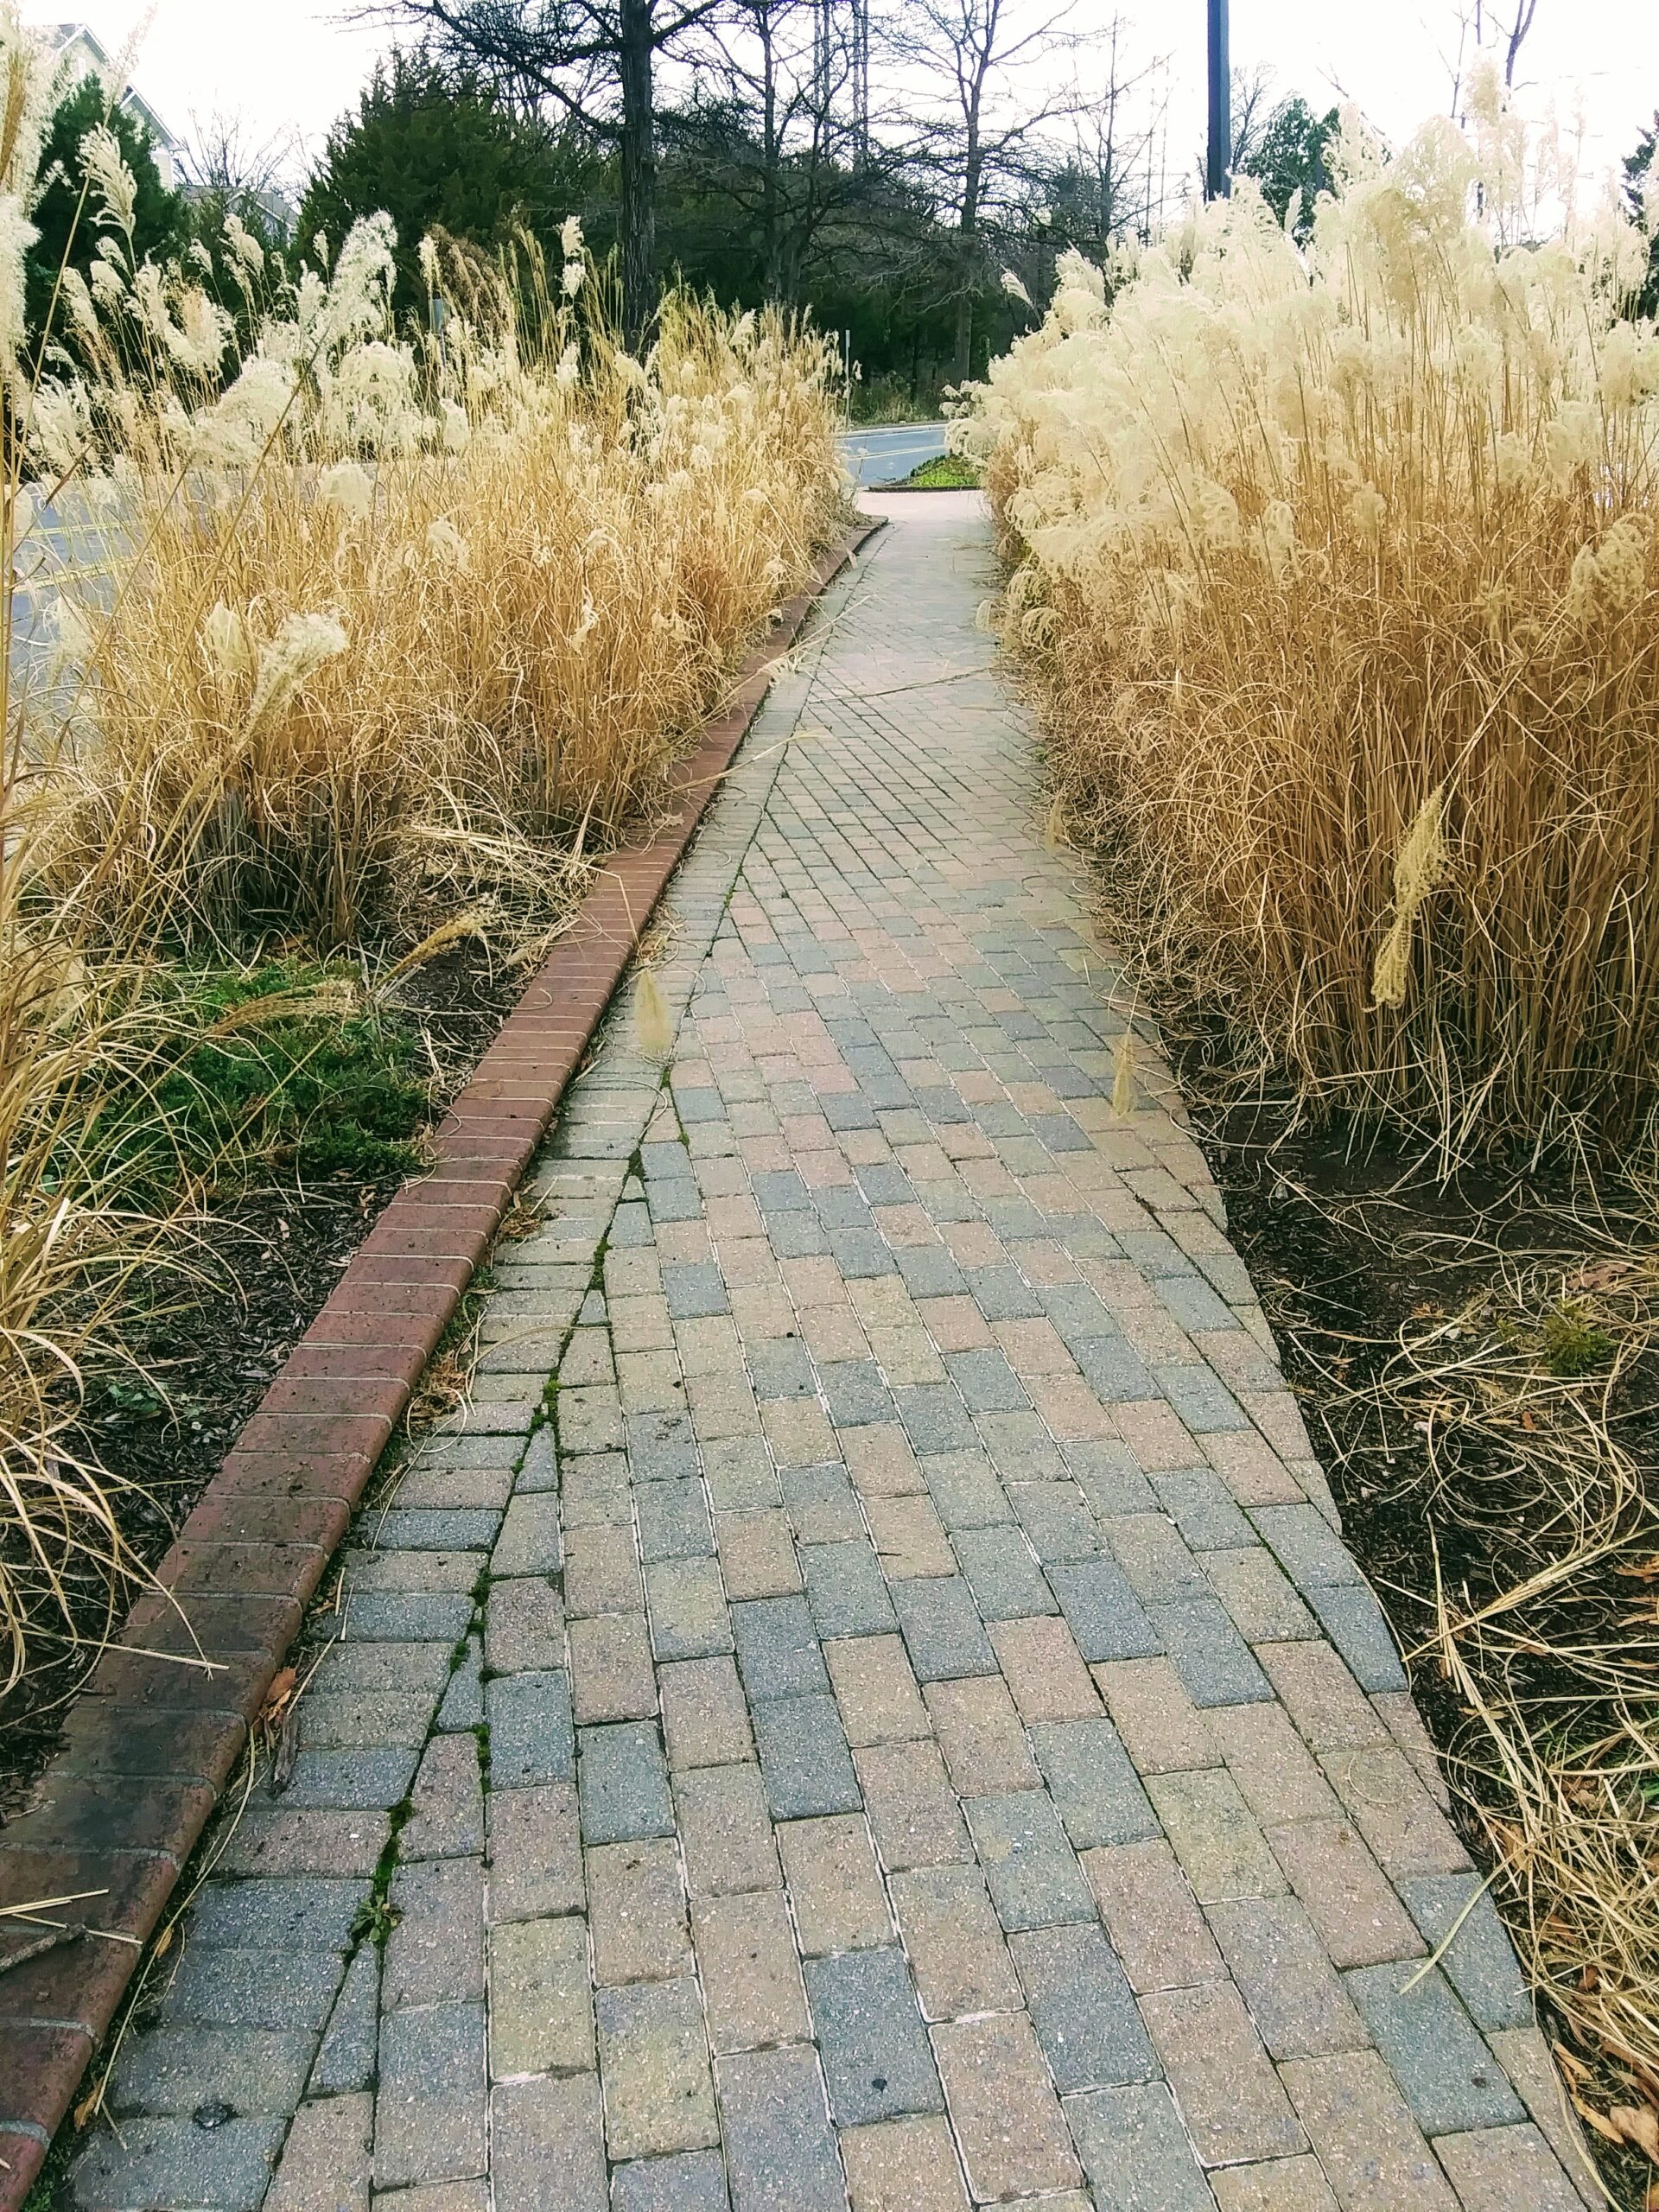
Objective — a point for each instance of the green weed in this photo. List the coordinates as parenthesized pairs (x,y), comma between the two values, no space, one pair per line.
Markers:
(1574,1344)
(283,1068)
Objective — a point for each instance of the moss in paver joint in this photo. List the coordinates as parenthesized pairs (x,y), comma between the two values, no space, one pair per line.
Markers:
(377,1916)
(47,2195)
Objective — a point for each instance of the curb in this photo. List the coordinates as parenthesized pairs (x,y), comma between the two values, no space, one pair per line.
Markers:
(152,1738)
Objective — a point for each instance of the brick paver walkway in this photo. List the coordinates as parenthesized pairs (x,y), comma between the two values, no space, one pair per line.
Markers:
(876,1704)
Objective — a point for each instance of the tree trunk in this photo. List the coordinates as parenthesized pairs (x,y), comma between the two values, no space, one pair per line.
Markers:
(964,339)
(968,230)
(772,245)
(639,165)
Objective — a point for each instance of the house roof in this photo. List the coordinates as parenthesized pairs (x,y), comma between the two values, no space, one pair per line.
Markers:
(64,36)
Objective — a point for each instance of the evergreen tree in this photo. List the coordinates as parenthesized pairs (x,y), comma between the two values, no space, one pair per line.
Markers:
(66,215)
(1288,156)
(1639,168)
(440,148)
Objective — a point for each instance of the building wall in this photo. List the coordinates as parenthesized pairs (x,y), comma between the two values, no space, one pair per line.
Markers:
(86,58)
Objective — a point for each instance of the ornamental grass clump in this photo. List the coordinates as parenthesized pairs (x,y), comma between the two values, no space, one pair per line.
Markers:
(382,623)
(1339,571)
(341,638)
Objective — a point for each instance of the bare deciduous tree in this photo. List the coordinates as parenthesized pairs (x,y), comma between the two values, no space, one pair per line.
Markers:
(225,160)
(784,134)
(1252,105)
(980,144)
(1480,24)
(1104,188)
(593,61)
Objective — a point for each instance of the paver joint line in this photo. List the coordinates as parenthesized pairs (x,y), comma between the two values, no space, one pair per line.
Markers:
(870,1707)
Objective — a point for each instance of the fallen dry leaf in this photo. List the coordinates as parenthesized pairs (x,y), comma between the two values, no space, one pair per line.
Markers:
(1571,2065)
(1638,2124)
(281,1689)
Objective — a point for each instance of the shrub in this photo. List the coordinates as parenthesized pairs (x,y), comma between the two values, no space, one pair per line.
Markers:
(1339,571)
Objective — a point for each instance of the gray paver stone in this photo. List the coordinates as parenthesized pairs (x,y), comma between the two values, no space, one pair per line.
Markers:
(1450,2078)
(430,2107)
(1136,2152)
(1208,1652)
(347,2056)
(1080,2003)
(623,1783)
(1093,1782)
(1033,1872)
(781,2153)
(778,1653)
(1103,1611)
(463,1700)
(1479,1961)
(532,1738)
(804,1759)
(691,2181)
(158,2166)
(869,2030)
(179,2068)
(942,1628)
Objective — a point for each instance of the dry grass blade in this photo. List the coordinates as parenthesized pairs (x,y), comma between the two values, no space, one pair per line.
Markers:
(1533,1404)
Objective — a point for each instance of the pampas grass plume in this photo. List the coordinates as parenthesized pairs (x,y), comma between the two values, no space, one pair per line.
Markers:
(1419,868)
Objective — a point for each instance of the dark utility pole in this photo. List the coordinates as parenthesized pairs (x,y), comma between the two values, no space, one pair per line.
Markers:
(1218,180)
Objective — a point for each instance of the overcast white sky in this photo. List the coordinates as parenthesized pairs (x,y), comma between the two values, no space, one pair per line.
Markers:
(294,63)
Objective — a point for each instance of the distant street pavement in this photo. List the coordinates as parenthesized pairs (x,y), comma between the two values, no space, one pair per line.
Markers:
(887,456)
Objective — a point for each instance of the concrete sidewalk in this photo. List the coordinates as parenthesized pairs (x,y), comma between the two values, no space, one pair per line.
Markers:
(871,1704)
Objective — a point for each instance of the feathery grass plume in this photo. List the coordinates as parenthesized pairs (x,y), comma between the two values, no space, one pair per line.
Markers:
(114,187)
(653,1031)
(303,645)
(1419,868)
(348,485)
(1314,530)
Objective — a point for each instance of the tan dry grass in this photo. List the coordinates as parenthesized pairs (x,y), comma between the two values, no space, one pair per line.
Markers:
(498,646)
(1529,1408)
(1310,549)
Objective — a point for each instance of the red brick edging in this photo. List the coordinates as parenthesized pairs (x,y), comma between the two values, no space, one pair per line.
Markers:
(152,1739)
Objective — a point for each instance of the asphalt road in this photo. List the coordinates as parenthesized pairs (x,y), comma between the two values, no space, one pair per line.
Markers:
(884,456)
